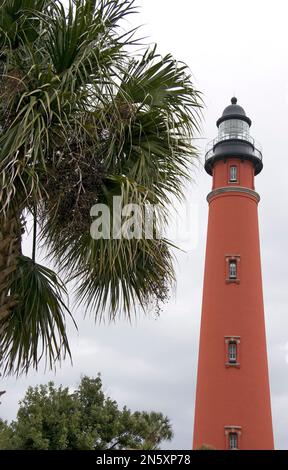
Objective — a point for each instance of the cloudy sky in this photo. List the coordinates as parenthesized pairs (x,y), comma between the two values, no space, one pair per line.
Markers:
(231,48)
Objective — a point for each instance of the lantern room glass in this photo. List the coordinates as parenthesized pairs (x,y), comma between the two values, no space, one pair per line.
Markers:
(234,129)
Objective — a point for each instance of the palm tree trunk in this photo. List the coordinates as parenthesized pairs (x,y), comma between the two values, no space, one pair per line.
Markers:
(10,250)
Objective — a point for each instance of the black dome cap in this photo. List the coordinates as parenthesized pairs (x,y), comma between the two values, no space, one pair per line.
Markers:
(234,111)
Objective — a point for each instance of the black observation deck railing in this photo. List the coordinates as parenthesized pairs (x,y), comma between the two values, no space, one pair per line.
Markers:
(237,137)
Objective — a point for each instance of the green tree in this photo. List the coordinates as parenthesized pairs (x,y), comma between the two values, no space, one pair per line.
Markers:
(5,435)
(206,447)
(82,120)
(54,418)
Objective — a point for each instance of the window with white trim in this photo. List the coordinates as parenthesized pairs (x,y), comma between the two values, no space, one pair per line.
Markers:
(232,352)
(232,356)
(233,437)
(233,177)
(233,269)
(233,440)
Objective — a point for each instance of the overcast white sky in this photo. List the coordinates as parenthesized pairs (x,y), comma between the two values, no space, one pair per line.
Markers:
(232,48)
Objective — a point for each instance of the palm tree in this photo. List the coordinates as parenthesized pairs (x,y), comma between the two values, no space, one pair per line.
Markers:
(82,120)
(154,428)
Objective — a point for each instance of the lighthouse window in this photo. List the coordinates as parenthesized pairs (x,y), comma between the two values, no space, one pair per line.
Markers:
(233,440)
(232,270)
(233,174)
(234,129)
(232,352)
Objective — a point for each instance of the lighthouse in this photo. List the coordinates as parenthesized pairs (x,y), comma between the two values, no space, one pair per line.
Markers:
(232,409)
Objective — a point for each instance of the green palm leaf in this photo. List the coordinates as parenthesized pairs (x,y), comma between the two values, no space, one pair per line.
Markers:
(37,325)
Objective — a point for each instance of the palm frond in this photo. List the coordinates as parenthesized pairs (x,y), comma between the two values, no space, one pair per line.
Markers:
(83,41)
(36,327)
(162,109)
(119,274)
(134,273)
(18,22)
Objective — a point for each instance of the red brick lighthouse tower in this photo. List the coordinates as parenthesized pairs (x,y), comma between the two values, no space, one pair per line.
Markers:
(233,399)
